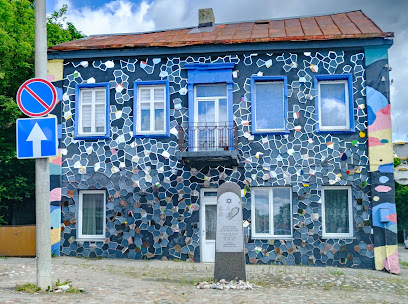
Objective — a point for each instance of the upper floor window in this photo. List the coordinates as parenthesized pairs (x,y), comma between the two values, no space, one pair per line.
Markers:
(335,103)
(210,125)
(92,104)
(271,212)
(269,105)
(212,129)
(337,220)
(151,108)
(91,214)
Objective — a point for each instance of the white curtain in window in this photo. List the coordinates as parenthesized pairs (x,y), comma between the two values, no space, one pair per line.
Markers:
(336,211)
(92,214)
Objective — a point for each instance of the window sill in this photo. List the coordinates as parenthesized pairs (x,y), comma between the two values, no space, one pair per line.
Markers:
(289,238)
(150,135)
(90,239)
(90,137)
(325,237)
(335,131)
(277,132)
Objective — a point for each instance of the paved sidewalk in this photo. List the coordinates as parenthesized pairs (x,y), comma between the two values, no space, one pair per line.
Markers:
(129,281)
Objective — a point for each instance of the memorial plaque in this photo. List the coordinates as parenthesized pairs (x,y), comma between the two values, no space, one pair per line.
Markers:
(229,238)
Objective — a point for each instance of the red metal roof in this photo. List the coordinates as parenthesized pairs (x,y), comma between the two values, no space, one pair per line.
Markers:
(336,26)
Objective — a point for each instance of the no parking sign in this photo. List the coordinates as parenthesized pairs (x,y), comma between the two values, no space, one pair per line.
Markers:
(36,97)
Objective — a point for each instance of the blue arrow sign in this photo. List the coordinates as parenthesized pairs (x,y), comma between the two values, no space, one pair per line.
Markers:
(37,137)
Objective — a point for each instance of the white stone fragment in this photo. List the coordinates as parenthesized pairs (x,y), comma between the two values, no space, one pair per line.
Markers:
(84,64)
(109,64)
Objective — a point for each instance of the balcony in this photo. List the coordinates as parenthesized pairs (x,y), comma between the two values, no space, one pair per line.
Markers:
(209,144)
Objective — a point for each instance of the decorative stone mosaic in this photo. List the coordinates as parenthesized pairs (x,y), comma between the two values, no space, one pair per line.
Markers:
(153,199)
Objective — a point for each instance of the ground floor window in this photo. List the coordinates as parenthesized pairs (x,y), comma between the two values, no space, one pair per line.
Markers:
(337,209)
(91,214)
(271,212)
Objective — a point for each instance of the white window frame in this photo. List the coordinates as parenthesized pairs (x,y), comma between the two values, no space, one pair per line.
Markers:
(270,235)
(151,102)
(93,112)
(81,236)
(258,130)
(350,210)
(216,99)
(346,88)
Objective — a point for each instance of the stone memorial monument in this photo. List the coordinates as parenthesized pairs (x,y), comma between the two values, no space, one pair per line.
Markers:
(229,237)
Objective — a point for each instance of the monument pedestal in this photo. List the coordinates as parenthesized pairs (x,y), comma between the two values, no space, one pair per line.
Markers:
(229,266)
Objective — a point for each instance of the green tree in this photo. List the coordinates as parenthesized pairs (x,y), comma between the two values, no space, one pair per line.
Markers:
(17,65)
(401,201)
(56,33)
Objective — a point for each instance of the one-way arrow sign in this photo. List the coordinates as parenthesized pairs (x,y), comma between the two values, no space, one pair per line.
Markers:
(37,137)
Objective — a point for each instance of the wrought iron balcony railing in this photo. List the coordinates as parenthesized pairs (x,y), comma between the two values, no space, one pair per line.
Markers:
(202,136)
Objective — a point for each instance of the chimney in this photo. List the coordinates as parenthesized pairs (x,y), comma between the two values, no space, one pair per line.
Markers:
(205,17)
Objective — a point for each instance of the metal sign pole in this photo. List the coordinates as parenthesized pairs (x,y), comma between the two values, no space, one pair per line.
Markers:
(42,179)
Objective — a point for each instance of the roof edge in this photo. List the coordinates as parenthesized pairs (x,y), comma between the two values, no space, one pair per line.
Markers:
(350,43)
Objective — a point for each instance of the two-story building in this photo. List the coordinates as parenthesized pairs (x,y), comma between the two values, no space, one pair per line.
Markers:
(295,111)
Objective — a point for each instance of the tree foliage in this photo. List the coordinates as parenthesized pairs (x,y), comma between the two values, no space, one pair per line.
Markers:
(401,201)
(17,65)
(56,33)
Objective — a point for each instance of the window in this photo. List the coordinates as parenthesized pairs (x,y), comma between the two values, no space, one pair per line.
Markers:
(151,117)
(92,104)
(212,129)
(271,212)
(209,88)
(337,212)
(335,103)
(91,214)
(269,105)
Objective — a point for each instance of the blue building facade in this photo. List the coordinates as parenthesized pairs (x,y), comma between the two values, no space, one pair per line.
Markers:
(153,200)
(146,139)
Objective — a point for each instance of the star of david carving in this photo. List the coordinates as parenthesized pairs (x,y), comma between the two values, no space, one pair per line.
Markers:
(229,201)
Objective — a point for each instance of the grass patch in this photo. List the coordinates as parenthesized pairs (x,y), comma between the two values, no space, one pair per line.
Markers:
(28,288)
(336,272)
(32,288)
(404,264)
(3,257)
(70,289)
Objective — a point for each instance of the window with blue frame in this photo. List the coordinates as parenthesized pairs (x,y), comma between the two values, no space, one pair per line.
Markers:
(151,108)
(269,105)
(211,124)
(335,103)
(92,106)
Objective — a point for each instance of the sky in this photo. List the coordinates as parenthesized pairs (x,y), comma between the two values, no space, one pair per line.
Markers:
(132,16)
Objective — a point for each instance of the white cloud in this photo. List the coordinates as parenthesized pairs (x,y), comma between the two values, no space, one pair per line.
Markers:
(119,16)
(333,112)
(169,14)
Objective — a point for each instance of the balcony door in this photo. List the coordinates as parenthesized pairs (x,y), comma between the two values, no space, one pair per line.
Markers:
(211,126)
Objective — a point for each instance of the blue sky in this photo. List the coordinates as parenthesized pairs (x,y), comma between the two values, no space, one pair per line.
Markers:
(93,4)
(130,16)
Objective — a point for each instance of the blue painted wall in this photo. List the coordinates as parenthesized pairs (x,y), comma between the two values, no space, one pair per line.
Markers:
(153,200)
